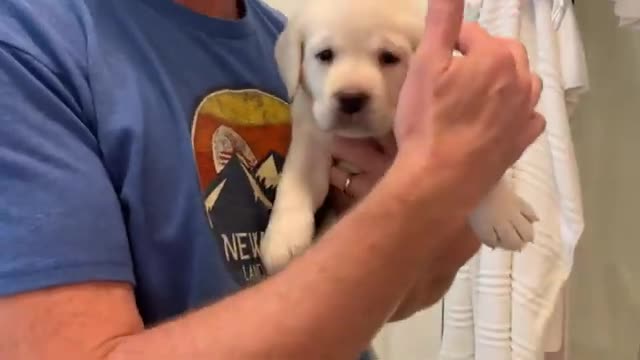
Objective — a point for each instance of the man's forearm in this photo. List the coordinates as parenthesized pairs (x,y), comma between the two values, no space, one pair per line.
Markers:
(327,304)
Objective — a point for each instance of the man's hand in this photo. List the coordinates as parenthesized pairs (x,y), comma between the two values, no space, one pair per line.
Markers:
(373,160)
(470,116)
(464,120)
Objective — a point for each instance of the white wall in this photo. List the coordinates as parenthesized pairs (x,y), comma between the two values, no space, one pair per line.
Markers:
(417,338)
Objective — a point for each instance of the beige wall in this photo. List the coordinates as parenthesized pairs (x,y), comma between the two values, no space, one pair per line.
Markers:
(605,290)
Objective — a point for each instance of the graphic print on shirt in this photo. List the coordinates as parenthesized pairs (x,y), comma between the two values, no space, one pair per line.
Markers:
(240,139)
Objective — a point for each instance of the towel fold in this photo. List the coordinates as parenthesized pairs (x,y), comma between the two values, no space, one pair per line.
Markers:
(458,341)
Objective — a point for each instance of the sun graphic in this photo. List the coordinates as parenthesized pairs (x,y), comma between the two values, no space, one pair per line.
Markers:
(249,124)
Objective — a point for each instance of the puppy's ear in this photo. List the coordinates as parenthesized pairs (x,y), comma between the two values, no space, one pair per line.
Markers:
(288,54)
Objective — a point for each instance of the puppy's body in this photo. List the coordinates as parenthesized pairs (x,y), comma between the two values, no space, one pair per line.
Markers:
(344,71)
(331,62)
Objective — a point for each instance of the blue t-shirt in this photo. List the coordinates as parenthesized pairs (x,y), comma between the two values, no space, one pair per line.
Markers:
(139,142)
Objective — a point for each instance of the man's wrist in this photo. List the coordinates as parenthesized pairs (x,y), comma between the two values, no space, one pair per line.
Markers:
(426,186)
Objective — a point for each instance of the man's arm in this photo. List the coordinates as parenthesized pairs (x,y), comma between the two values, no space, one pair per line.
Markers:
(53,185)
(321,307)
(277,319)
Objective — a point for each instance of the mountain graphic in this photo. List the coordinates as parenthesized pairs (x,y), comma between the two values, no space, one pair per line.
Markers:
(241,192)
(267,172)
(236,184)
(238,212)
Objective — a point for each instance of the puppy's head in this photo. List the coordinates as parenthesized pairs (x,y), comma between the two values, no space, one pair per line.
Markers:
(351,58)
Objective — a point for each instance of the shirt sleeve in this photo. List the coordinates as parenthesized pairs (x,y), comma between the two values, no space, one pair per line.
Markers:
(60,217)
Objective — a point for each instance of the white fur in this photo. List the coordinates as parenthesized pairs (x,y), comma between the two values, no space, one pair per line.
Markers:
(357,32)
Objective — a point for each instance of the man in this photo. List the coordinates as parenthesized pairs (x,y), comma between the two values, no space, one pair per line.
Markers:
(139,145)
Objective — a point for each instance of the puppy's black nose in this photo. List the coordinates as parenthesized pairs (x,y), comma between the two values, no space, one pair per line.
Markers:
(352,102)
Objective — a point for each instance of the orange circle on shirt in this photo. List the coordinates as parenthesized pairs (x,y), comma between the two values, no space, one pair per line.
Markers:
(248,123)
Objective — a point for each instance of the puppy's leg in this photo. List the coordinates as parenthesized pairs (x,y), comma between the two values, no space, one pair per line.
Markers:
(503,219)
(303,186)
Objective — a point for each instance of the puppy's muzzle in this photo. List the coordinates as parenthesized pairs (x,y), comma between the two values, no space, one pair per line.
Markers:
(352,102)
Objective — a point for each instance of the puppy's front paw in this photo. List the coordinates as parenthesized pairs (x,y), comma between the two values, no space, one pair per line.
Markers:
(504,220)
(286,239)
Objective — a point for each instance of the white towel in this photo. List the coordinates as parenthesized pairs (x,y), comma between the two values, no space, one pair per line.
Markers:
(491,275)
(546,176)
(493,284)
(628,11)
(575,83)
(458,340)
(572,59)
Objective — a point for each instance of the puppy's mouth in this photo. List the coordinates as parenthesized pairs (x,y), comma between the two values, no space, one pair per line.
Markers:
(369,121)
(357,125)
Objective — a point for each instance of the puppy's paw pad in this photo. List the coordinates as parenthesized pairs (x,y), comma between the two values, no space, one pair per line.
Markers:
(505,222)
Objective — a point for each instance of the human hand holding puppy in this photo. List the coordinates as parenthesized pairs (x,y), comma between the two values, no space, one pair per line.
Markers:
(460,123)
(436,134)
(498,120)
(372,158)
(470,116)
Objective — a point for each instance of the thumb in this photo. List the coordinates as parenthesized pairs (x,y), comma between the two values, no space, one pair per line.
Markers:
(442,28)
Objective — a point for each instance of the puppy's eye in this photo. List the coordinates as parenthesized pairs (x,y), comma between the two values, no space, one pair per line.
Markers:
(325,56)
(388,58)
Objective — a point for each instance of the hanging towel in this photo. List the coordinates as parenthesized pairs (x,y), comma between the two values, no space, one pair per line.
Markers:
(575,82)
(628,11)
(547,177)
(458,340)
(558,11)
(493,278)
(485,316)
(573,60)
(514,297)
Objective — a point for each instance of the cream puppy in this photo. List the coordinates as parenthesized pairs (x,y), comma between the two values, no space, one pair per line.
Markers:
(344,63)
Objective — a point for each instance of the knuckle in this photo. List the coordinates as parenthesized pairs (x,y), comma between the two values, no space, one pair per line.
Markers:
(505,89)
(521,49)
(503,74)
(500,63)
(505,60)
(540,123)
(537,86)
(535,128)
(516,46)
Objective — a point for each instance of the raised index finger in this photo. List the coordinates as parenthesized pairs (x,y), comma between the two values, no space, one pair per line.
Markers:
(442,29)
